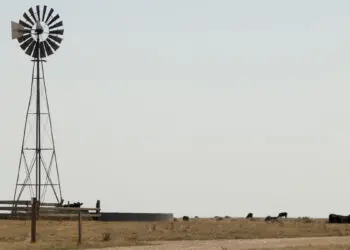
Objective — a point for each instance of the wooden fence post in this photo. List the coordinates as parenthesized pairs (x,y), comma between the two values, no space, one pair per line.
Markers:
(37,207)
(98,206)
(33,213)
(79,228)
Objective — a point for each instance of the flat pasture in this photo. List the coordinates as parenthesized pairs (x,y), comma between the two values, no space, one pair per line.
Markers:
(63,234)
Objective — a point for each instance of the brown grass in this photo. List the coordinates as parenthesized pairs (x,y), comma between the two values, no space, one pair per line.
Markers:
(63,234)
(311,247)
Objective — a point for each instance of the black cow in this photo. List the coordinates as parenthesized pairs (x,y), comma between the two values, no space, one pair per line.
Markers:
(340,219)
(249,216)
(185,218)
(283,214)
(75,204)
(333,218)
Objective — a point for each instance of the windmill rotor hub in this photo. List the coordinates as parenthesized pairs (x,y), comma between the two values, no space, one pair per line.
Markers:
(39,29)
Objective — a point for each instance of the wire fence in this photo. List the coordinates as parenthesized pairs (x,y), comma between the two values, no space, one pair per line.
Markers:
(34,211)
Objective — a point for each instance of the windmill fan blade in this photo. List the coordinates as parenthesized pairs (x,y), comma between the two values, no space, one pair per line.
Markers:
(23,38)
(52,44)
(38,11)
(28,19)
(31,48)
(53,20)
(56,32)
(26,44)
(25,31)
(48,48)
(59,24)
(42,50)
(32,13)
(36,50)
(49,15)
(55,38)
(44,12)
(24,24)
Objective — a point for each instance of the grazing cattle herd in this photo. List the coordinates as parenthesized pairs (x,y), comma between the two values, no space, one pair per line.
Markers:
(75,204)
(249,216)
(332,218)
(270,218)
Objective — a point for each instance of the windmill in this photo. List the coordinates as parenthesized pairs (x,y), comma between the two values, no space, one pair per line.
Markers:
(39,34)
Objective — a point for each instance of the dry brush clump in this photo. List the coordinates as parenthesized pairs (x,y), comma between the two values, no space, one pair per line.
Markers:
(106,236)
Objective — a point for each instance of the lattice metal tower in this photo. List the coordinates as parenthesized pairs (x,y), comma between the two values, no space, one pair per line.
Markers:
(40,35)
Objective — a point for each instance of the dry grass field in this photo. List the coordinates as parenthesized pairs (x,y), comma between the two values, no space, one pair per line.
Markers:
(63,234)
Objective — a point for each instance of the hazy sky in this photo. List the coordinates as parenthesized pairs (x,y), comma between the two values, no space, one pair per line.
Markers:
(191,107)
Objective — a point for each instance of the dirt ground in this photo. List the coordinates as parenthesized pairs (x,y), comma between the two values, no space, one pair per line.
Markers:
(226,233)
(313,243)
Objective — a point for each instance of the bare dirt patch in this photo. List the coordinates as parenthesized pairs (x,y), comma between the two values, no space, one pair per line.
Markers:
(311,243)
